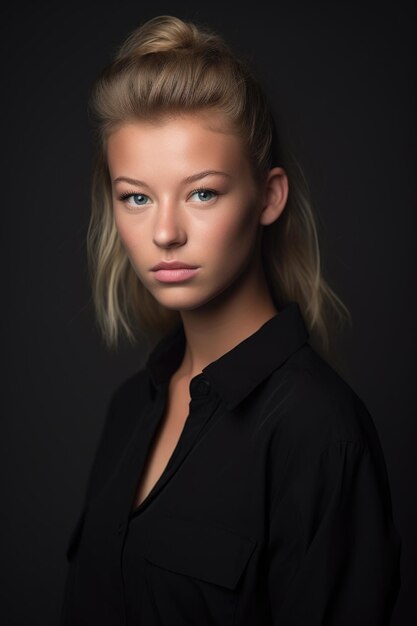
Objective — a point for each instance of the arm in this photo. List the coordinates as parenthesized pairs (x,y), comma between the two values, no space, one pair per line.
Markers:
(334,553)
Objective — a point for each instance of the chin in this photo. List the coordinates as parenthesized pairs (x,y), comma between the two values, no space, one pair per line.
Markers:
(181,302)
(192,301)
(181,305)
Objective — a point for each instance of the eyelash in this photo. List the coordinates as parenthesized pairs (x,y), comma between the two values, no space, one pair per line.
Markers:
(124,196)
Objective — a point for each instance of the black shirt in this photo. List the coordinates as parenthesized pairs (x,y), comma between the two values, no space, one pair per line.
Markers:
(274,507)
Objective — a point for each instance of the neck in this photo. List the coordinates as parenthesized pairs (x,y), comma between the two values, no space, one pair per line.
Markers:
(221,324)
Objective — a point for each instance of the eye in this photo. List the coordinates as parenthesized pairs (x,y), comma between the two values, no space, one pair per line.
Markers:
(139,199)
(205,194)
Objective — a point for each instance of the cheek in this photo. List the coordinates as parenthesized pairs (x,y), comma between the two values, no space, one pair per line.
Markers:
(120,225)
(232,233)
(129,233)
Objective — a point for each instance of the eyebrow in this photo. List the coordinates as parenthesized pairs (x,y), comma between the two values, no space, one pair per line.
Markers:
(189,179)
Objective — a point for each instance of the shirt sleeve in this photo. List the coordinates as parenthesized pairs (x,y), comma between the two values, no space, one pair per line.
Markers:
(334,552)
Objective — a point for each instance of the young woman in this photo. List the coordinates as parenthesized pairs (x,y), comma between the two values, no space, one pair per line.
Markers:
(239,480)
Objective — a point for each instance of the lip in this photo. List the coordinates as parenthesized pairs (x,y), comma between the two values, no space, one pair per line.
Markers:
(175,275)
(172,265)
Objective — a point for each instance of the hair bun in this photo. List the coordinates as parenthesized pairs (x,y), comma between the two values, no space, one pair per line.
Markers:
(163,33)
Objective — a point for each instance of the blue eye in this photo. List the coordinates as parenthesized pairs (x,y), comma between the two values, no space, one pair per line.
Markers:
(203,193)
(139,198)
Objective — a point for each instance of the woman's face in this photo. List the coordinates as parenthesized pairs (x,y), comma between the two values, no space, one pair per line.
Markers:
(183,191)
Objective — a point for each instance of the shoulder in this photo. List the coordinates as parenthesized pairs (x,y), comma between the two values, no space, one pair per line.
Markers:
(311,406)
(316,424)
(128,399)
(136,387)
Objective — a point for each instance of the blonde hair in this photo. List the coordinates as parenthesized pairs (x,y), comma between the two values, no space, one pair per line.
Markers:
(165,67)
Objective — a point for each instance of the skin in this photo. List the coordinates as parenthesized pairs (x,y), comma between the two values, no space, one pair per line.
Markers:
(228,299)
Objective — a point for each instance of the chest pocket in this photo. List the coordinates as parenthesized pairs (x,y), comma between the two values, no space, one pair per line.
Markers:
(192,573)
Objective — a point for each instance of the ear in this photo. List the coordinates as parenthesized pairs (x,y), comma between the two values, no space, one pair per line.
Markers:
(275,195)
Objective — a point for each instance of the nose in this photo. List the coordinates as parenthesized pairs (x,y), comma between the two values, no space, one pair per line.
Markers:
(168,231)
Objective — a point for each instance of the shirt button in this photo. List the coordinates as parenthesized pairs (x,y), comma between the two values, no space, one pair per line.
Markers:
(201,387)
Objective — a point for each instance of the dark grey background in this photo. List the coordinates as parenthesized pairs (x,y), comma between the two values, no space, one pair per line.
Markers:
(341,77)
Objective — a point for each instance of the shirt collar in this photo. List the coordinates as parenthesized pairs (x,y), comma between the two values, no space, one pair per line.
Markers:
(237,372)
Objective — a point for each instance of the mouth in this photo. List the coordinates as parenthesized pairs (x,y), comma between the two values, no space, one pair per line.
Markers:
(175,275)
(172,265)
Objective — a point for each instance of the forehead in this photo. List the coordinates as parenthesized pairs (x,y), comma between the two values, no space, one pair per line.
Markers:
(190,139)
